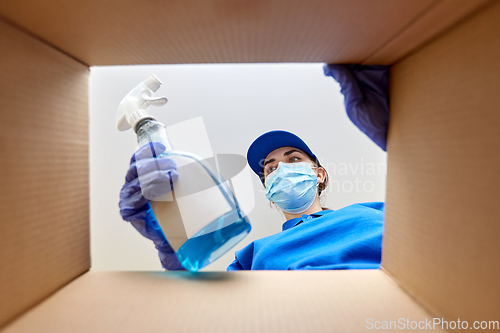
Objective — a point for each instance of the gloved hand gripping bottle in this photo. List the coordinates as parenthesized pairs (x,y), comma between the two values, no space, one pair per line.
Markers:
(200,216)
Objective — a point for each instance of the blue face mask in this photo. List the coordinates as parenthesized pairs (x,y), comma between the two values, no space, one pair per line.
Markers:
(292,186)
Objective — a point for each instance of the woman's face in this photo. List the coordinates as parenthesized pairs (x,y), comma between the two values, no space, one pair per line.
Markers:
(285,155)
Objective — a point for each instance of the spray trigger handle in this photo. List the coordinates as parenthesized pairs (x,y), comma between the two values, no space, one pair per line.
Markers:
(133,107)
(150,100)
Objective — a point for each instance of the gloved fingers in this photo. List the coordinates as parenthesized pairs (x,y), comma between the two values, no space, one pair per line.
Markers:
(149,228)
(164,246)
(153,229)
(153,164)
(140,225)
(170,261)
(149,150)
(144,166)
(131,196)
(341,73)
(131,172)
(130,188)
(135,194)
(349,84)
(366,97)
(369,118)
(369,114)
(147,225)
(157,183)
(134,201)
(152,234)
(133,215)
(158,177)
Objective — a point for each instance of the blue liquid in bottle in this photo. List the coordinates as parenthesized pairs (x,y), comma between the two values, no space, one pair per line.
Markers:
(218,236)
(204,248)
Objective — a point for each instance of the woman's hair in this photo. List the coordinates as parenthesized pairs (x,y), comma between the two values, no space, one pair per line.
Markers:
(324,184)
(321,186)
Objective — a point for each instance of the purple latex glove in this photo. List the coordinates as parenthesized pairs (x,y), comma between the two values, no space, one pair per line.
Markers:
(149,177)
(366,97)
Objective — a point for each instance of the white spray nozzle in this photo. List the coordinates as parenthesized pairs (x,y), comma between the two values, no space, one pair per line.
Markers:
(133,107)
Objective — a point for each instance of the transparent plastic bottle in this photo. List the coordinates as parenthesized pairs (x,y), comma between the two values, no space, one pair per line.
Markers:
(200,216)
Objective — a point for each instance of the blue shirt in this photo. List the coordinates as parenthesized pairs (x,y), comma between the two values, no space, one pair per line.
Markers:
(348,238)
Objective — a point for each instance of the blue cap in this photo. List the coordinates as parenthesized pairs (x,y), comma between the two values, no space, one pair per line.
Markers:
(269,141)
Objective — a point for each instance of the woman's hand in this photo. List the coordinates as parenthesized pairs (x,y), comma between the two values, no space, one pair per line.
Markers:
(149,177)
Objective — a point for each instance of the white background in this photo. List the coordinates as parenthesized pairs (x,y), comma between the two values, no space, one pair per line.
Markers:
(237,103)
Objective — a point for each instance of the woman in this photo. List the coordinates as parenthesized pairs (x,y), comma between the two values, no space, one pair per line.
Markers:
(312,238)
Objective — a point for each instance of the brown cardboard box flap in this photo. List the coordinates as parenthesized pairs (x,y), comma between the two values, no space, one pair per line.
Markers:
(220,31)
(260,301)
(429,24)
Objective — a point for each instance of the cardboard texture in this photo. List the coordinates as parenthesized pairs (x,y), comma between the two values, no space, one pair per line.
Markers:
(44,228)
(438,17)
(442,230)
(441,235)
(305,301)
(155,32)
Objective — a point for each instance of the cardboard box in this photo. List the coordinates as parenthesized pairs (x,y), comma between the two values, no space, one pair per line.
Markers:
(441,250)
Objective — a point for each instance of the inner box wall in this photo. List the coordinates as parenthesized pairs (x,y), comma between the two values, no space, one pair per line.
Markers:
(44,232)
(442,231)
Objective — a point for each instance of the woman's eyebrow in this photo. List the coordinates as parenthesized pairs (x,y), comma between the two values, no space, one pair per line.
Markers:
(285,154)
(268,161)
(291,151)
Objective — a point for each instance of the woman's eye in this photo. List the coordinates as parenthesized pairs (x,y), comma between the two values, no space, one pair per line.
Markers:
(271,169)
(294,159)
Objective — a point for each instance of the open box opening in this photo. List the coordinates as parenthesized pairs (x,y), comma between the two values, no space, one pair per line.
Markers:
(220,109)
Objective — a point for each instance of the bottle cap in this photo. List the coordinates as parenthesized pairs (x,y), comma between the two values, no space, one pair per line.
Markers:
(137,116)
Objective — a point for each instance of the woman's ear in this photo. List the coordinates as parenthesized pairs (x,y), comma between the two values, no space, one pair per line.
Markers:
(321,175)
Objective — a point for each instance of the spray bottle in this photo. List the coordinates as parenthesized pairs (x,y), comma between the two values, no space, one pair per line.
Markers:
(200,216)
